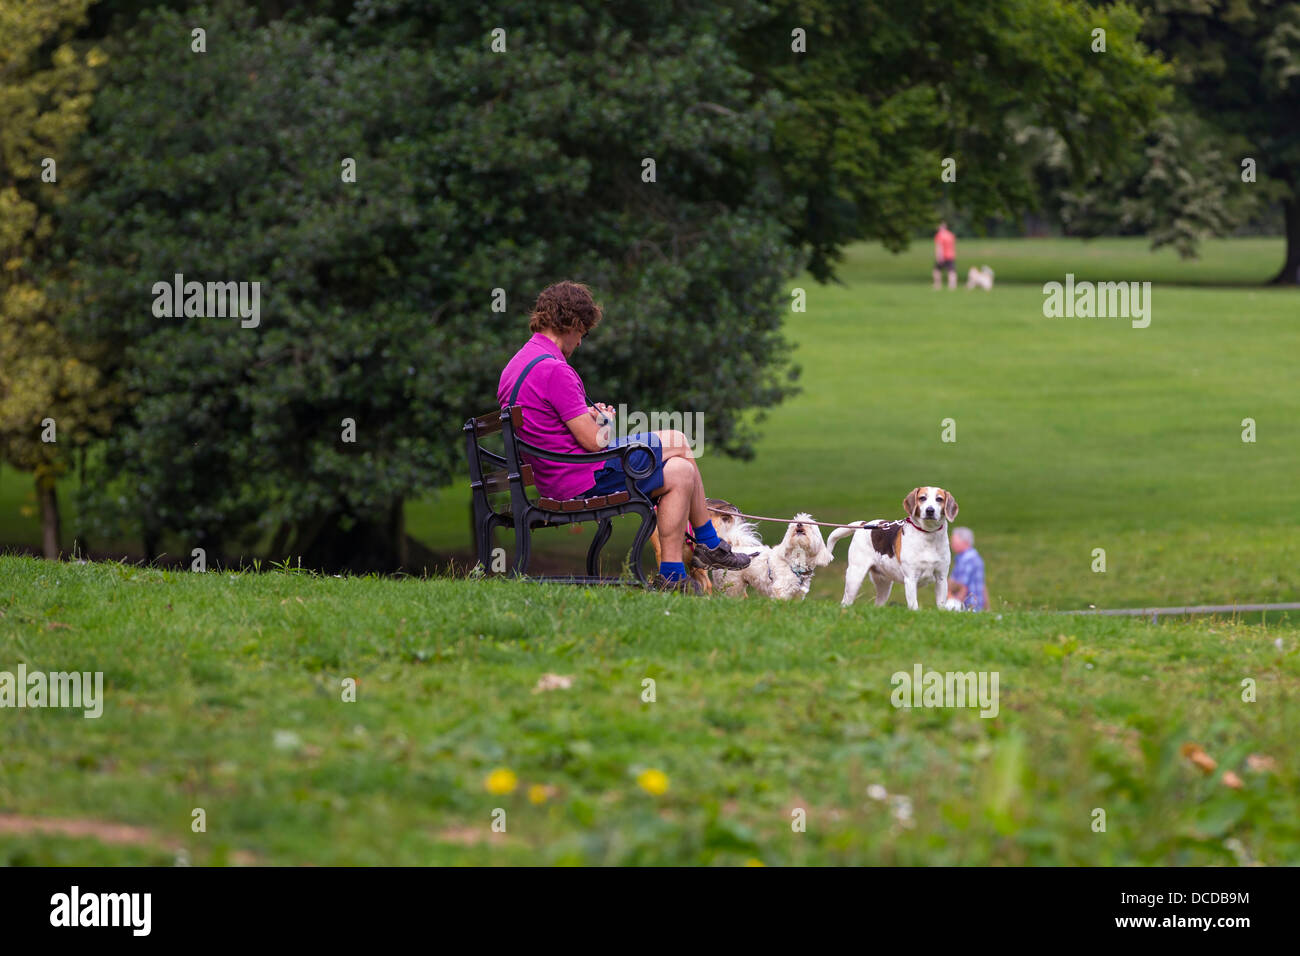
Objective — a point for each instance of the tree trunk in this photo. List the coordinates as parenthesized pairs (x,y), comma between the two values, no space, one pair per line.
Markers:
(371,543)
(1290,273)
(397,524)
(49,499)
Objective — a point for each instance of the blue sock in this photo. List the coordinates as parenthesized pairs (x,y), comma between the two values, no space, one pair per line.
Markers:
(706,536)
(672,570)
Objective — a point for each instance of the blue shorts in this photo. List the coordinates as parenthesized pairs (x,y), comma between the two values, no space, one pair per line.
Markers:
(613,478)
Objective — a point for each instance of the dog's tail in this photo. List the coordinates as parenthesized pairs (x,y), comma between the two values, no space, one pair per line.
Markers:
(740,534)
(844,533)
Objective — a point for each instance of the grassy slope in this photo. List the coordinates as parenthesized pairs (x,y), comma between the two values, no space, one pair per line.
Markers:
(1072,434)
(762,708)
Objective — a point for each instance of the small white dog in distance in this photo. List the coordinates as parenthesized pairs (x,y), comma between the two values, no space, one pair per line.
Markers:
(908,551)
(981,278)
(782,572)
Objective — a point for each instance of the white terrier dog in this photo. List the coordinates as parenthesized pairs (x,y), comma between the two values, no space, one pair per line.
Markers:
(783,572)
(981,278)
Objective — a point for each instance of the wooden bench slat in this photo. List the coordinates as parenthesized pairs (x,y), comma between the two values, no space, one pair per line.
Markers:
(584,504)
(499,480)
(488,424)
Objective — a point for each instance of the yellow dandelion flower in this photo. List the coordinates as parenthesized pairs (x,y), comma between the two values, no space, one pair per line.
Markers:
(537,793)
(653,782)
(753,862)
(501,781)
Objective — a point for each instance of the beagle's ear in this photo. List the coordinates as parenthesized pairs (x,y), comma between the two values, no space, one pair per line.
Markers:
(909,503)
(950,506)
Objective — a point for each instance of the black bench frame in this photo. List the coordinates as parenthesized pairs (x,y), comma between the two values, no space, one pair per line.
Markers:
(509,472)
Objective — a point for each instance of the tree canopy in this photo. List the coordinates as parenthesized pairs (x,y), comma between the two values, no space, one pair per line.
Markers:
(890,89)
(1237,68)
(393,173)
(52,398)
(475,171)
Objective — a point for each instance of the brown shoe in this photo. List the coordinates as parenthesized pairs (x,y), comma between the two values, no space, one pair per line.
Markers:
(721,557)
(686,585)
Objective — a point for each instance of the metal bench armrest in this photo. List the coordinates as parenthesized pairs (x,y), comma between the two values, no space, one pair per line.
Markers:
(609,454)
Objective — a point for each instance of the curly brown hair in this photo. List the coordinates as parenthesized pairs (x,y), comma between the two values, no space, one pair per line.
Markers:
(563,307)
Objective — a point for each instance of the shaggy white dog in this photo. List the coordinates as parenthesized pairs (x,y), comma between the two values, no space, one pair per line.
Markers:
(783,572)
(981,278)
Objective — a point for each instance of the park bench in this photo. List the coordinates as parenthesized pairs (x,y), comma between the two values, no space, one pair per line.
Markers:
(493,473)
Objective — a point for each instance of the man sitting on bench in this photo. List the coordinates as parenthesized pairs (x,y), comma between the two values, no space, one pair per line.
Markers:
(556,417)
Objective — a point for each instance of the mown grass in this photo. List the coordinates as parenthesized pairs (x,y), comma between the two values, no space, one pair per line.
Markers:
(1072,434)
(223,692)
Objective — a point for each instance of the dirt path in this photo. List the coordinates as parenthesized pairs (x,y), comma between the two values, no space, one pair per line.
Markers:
(119,834)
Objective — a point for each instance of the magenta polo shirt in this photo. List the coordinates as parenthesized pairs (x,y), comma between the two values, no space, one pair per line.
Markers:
(551,395)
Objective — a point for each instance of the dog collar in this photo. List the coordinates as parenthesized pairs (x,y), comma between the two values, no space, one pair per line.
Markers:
(919,528)
(798,573)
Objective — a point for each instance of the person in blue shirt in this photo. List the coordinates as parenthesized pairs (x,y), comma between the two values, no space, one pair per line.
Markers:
(966,579)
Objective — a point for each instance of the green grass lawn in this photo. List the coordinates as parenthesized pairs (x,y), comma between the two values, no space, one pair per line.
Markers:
(1072,434)
(19,521)
(223,692)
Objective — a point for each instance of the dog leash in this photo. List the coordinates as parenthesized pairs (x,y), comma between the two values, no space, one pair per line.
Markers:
(875,523)
(824,524)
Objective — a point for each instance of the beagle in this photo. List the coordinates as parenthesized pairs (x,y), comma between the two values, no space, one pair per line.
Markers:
(912,550)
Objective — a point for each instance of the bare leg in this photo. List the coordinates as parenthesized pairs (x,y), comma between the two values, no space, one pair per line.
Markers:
(676,447)
(952,278)
(936,278)
(674,500)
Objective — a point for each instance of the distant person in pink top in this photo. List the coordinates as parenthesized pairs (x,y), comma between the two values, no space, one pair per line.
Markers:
(945,255)
(558,418)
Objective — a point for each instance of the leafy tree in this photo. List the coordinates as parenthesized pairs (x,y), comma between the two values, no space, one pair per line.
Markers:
(475,171)
(1175,185)
(1237,66)
(49,388)
(889,89)
(481,169)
